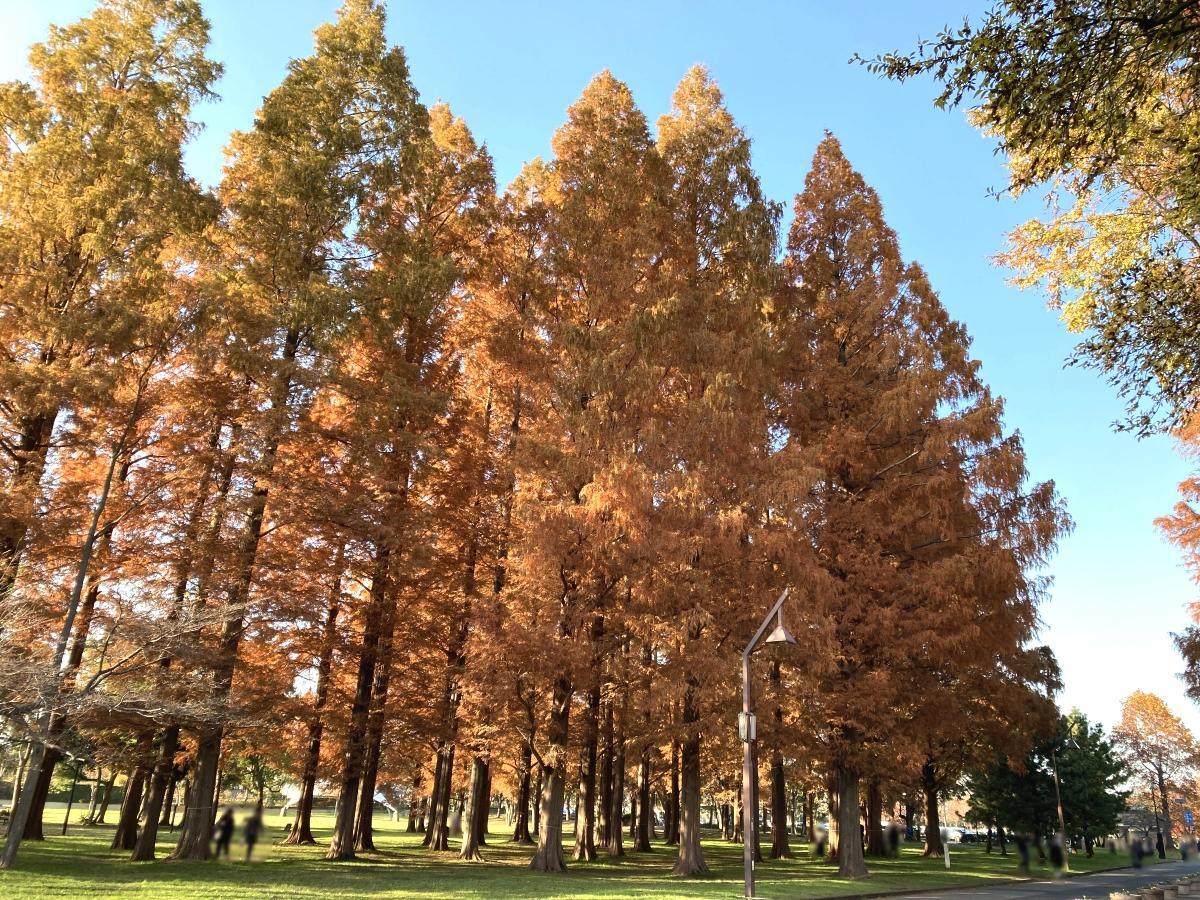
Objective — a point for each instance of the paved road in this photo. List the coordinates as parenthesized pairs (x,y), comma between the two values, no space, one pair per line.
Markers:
(1091,887)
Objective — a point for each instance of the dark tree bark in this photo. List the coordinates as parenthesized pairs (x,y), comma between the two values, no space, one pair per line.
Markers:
(616,835)
(850,850)
(606,776)
(645,806)
(671,817)
(549,854)
(933,827)
(543,774)
(364,835)
(691,856)
(521,833)
(431,804)
(780,847)
(876,844)
(585,814)
(127,825)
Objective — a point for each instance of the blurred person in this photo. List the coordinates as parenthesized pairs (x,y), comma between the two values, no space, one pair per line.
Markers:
(251,829)
(223,832)
(1021,839)
(1058,854)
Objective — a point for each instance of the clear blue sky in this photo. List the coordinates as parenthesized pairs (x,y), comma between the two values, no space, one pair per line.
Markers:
(511,69)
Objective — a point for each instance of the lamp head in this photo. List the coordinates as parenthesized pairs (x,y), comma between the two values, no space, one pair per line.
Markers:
(779,635)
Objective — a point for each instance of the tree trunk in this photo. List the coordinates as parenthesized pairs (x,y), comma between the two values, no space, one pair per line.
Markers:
(691,856)
(645,807)
(364,836)
(108,789)
(933,828)
(780,847)
(341,845)
(543,774)
(1003,839)
(606,776)
(1168,838)
(585,815)
(671,817)
(94,800)
(524,781)
(434,792)
(850,851)
(616,835)
(441,830)
(127,825)
(477,810)
(549,854)
(169,743)
(876,844)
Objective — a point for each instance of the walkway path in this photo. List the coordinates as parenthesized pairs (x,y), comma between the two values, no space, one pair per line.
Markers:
(1091,887)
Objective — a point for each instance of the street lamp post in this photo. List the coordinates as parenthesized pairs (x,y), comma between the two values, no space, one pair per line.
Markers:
(747,732)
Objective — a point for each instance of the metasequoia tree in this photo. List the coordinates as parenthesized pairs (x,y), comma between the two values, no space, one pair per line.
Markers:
(582,492)
(887,406)
(709,437)
(333,133)
(92,180)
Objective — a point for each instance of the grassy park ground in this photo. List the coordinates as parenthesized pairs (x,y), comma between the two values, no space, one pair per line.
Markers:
(81,865)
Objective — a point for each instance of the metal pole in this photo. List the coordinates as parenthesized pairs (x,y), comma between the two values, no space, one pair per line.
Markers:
(749,794)
(749,800)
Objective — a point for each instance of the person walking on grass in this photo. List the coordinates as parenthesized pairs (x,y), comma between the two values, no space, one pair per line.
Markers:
(253,826)
(1022,841)
(224,833)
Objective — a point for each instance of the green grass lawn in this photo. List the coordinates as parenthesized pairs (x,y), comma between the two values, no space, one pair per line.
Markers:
(81,865)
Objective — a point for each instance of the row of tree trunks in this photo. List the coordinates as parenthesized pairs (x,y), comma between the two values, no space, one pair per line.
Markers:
(341,845)
(164,769)
(195,835)
(644,820)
